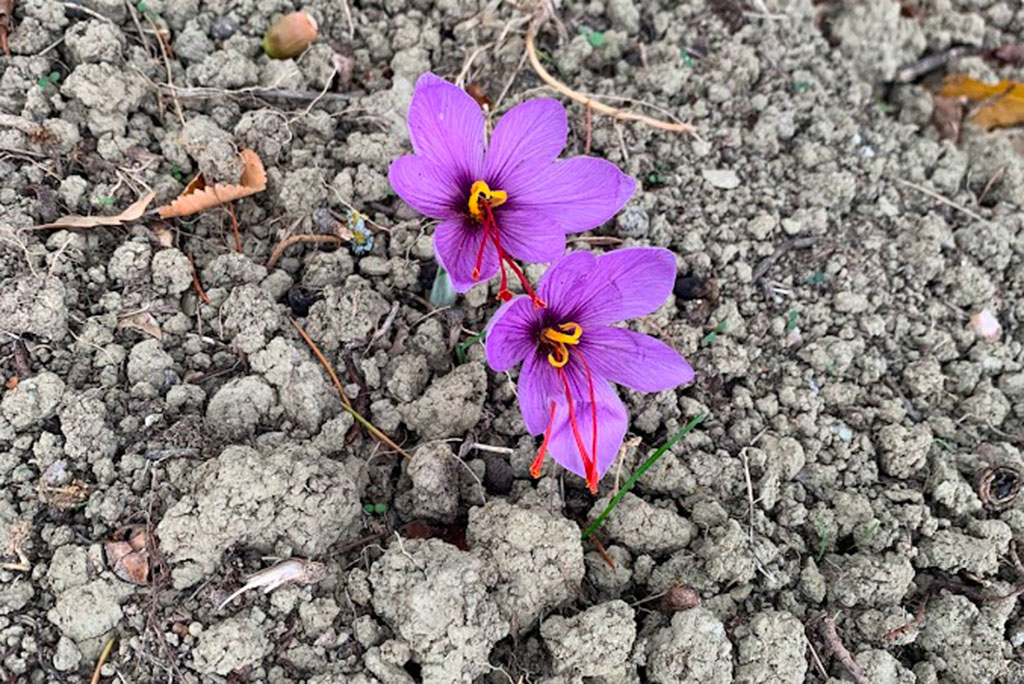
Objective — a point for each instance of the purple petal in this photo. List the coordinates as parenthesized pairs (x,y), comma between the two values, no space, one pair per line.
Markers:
(528,236)
(612,422)
(526,140)
(538,386)
(633,359)
(511,334)
(575,194)
(425,186)
(613,287)
(446,126)
(456,244)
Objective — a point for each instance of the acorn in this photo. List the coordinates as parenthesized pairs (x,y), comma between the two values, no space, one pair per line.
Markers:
(290,35)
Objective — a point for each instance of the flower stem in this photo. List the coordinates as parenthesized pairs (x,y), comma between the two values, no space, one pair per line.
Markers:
(694,422)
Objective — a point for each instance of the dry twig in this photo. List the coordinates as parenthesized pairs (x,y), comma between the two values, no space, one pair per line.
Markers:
(103,659)
(827,628)
(6,14)
(345,401)
(195,281)
(600,107)
(295,239)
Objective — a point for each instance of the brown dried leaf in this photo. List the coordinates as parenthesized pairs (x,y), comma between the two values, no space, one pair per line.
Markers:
(163,233)
(66,497)
(142,321)
(198,196)
(132,213)
(948,115)
(1002,103)
(128,553)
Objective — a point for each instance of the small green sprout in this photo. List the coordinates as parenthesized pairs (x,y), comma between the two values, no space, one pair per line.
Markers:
(823,534)
(816,278)
(802,86)
(595,38)
(711,336)
(50,79)
(684,55)
(176,173)
(791,321)
(463,347)
(105,201)
(655,178)
(862,537)
(694,422)
(375,508)
(142,7)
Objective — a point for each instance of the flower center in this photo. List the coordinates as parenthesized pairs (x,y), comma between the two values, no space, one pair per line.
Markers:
(481,192)
(558,338)
(482,201)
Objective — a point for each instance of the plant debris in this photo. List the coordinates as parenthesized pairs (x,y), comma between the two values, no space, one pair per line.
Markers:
(128,551)
(298,570)
(198,196)
(1002,104)
(132,213)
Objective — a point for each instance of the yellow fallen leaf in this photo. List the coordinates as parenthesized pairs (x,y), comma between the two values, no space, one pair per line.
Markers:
(1002,103)
(132,213)
(198,196)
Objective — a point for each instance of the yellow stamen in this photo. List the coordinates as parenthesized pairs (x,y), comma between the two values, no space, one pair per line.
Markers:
(481,191)
(559,355)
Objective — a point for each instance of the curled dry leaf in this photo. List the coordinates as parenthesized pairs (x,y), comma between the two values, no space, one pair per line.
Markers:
(1002,104)
(142,321)
(128,553)
(198,196)
(65,497)
(948,115)
(132,213)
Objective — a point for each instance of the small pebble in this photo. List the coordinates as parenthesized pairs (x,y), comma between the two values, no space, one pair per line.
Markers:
(223,28)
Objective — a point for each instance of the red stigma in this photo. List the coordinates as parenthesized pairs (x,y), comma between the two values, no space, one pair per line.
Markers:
(589,460)
(539,461)
(490,232)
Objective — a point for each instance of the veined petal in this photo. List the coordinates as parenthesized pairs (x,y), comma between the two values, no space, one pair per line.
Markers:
(446,126)
(634,359)
(426,186)
(456,245)
(530,236)
(526,140)
(538,386)
(613,287)
(576,194)
(511,334)
(612,422)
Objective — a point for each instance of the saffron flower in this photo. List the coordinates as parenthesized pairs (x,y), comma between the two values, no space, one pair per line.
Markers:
(510,200)
(571,352)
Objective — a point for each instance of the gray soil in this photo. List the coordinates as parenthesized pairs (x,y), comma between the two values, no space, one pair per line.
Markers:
(862,449)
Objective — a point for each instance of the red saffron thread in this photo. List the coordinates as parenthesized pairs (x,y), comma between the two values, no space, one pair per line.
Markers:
(589,464)
(490,231)
(539,461)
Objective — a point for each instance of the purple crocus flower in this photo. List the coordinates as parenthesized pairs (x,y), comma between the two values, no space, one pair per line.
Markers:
(509,201)
(570,353)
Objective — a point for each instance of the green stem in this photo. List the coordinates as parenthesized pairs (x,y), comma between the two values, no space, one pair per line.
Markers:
(694,422)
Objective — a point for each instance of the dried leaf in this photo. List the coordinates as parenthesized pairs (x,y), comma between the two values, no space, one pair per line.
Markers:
(1003,103)
(132,213)
(163,233)
(948,115)
(12,382)
(198,196)
(142,321)
(128,553)
(70,496)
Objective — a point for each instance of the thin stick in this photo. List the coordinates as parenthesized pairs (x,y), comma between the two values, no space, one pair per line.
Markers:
(831,637)
(294,239)
(948,202)
(195,280)
(531,54)
(345,401)
(694,422)
(348,18)
(234,227)
(586,148)
(103,659)
(167,65)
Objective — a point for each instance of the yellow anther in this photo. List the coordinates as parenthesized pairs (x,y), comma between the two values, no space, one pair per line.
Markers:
(481,191)
(560,354)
